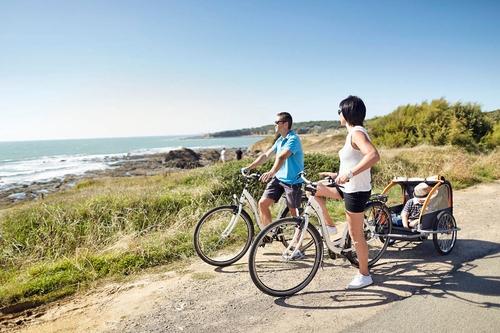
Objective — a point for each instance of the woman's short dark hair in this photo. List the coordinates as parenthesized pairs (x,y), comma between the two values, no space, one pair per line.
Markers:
(354,110)
(285,116)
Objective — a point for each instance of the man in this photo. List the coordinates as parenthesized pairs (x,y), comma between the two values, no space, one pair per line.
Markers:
(284,174)
(239,154)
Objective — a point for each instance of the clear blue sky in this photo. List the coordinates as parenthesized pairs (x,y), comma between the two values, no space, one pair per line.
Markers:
(72,69)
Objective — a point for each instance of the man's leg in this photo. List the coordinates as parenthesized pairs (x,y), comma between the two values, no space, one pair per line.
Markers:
(271,195)
(293,196)
(265,210)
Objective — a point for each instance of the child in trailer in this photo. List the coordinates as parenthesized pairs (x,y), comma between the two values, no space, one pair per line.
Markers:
(413,207)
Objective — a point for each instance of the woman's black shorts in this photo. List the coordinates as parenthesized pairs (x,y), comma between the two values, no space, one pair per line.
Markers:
(355,202)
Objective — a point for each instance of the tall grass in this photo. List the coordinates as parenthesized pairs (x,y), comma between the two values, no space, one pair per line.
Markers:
(461,168)
(118,226)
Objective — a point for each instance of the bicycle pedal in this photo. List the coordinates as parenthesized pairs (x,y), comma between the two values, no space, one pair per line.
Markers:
(332,254)
(267,239)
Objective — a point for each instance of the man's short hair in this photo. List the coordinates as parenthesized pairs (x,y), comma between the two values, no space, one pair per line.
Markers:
(286,117)
(354,110)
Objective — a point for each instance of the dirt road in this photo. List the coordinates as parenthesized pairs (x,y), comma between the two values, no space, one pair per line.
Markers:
(200,298)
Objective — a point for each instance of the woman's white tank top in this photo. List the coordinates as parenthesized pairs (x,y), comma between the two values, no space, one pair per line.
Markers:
(349,158)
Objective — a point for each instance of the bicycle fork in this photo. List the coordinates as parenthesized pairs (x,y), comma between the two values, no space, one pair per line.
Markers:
(232,223)
(298,237)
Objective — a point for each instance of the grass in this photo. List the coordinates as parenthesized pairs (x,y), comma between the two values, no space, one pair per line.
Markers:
(115,227)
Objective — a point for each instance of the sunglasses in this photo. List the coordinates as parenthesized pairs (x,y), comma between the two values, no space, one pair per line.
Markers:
(339,112)
(280,121)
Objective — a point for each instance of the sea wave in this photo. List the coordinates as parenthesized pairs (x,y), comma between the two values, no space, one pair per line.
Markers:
(47,168)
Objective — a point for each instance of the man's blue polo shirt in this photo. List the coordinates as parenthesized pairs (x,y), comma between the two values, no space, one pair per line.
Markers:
(289,171)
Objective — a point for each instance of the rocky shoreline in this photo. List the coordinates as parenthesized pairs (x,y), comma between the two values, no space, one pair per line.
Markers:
(128,166)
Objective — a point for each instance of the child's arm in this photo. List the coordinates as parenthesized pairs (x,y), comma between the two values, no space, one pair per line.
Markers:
(404,219)
(405,213)
(413,223)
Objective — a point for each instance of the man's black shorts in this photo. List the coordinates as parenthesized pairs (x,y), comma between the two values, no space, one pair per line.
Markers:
(293,193)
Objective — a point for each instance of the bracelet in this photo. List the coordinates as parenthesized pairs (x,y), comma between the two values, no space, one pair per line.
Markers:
(350,174)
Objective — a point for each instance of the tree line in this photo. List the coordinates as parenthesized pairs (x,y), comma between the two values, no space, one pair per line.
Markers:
(317,126)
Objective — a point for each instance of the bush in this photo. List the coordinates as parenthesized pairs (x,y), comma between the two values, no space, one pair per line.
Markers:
(436,123)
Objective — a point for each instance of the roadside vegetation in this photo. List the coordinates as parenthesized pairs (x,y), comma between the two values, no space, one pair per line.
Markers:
(118,226)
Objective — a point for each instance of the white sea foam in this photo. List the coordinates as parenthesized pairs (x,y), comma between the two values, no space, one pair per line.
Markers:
(151,151)
(47,168)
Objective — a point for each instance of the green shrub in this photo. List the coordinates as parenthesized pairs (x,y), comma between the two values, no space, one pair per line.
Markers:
(435,123)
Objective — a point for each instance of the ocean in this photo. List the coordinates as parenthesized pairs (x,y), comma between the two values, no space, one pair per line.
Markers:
(25,162)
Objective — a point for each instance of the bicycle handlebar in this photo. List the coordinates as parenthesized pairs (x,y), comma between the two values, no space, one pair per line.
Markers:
(315,184)
(303,176)
(244,173)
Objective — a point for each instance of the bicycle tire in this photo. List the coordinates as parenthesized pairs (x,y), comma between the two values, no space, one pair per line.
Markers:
(377,217)
(267,266)
(219,251)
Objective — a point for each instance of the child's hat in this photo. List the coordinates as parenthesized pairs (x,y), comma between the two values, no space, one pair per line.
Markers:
(421,190)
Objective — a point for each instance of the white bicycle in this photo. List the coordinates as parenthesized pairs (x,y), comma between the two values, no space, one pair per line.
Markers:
(279,271)
(224,234)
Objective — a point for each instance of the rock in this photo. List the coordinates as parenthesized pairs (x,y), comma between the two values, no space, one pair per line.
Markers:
(182,158)
(211,155)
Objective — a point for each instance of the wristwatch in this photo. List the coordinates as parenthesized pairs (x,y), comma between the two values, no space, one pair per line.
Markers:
(350,175)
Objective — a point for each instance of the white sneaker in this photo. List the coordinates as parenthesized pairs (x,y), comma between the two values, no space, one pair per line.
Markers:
(298,255)
(360,281)
(331,230)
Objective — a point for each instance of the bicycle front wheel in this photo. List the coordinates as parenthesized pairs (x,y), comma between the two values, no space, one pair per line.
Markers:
(283,271)
(222,236)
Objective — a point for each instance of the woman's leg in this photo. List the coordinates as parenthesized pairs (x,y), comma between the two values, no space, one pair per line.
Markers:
(322,193)
(355,222)
(322,203)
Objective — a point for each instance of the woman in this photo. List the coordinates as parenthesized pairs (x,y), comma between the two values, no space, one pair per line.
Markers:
(356,158)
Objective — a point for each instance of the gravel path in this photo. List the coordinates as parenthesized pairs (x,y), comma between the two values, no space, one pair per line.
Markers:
(201,298)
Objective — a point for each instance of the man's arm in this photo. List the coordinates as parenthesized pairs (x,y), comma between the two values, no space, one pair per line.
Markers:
(278,163)
(262,158)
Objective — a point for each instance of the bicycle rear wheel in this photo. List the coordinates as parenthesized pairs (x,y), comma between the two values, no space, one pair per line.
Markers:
(377,223)
(222,236)
(271,266)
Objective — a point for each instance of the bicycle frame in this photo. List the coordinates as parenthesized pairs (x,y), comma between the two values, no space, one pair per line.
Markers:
(336,246)
(246,197)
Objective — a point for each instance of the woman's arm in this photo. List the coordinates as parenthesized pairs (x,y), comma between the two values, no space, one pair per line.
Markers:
(370,156)
(328,174)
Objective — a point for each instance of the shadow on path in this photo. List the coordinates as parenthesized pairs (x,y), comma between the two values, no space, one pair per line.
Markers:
(407,269)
